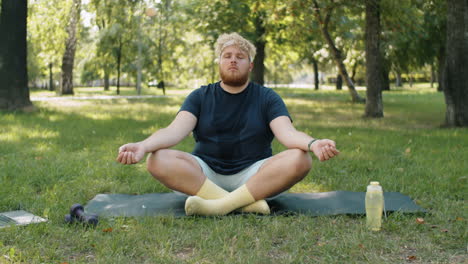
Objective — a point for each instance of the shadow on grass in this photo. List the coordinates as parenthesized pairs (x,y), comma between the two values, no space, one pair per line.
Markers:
(56,156)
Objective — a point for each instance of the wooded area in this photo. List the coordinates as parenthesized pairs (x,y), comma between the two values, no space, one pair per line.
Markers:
(104,42)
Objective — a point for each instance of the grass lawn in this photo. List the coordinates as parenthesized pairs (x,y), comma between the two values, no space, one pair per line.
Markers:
(64,153)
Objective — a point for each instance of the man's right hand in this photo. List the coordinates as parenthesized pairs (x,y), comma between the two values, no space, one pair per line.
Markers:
(131,153)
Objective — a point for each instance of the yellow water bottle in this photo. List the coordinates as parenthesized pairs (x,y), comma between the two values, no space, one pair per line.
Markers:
(374,206)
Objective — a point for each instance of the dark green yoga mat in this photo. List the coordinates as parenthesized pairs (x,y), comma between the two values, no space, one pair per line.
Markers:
(314,204)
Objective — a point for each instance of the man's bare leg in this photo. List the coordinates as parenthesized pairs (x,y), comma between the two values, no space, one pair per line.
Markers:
(277,174)
(280,173)
(179,171)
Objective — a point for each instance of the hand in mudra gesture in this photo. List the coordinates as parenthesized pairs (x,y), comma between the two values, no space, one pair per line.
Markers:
(324,149)
(131,153)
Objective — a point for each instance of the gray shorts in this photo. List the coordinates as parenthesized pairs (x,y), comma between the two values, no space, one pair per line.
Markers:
(230,182)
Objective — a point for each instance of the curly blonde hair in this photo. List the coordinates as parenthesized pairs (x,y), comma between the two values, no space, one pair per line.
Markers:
(234,39)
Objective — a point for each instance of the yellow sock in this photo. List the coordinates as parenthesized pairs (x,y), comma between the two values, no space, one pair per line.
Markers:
(210,190)
(238,198)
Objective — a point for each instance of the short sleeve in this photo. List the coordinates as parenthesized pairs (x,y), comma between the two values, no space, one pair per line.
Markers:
(275,106)
(192,103)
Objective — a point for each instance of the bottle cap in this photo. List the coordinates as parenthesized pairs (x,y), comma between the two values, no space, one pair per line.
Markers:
(374,183)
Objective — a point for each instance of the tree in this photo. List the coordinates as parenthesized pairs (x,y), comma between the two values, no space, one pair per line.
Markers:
(415,38)
(259,21)
(66,82)
(14,92)
(247,17)
(431,48)
(324,21)
(456,64)
(166,37)
(46,38)
(117,31)
(297,30)
(374,104)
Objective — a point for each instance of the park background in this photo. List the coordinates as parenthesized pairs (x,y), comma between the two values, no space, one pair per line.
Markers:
(386,79)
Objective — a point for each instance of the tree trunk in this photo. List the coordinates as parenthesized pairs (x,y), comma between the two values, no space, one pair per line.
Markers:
(106,79)
(440,69)
(339,82)
(353,72)
(258,70)
(433,75)
(51,78)
(374,104)
(160,60)
(385,80)
(456,64)
(337,56)
(119,60)
(214,66)
(14,92)
(398,82)
(385,73)
(316,73)
(66,82)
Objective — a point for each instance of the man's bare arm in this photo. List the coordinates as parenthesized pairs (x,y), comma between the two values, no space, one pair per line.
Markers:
(287,135)
(171,135)
(167,137)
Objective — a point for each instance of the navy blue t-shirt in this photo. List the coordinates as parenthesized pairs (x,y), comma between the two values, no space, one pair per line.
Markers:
(233,130)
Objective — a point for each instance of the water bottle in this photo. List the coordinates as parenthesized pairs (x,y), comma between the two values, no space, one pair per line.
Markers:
(374,206)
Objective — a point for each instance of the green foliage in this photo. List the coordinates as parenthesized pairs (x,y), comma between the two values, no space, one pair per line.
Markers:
(64,153)
(177,42)
(47,21)
(414,36)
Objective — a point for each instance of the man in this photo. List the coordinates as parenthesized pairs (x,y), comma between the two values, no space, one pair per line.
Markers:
(233,123)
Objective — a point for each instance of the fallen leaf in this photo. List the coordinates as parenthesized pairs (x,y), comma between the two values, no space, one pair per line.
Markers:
(411,258)
(38,158)
(420,220)
(408,150)
(444,230)
(434,226)
(107,230)
(459,218)
(361,246)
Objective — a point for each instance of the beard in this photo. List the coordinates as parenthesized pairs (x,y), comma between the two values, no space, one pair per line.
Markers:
(234,78)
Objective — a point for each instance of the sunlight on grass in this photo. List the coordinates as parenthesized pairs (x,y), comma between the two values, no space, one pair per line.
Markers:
(17,133)
(307,187)
(110,109)
(66,105)
(65,153)
(98,91)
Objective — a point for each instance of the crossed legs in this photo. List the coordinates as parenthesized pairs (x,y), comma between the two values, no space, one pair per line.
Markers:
(179,171)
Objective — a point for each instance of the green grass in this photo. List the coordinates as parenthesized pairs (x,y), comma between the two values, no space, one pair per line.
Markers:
(93,91)
(64,153)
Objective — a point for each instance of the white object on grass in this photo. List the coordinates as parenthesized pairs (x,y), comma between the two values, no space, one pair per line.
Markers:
(19,217)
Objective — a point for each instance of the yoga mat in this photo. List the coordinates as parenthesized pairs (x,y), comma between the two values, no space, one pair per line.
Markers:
(314,204)
(19,218)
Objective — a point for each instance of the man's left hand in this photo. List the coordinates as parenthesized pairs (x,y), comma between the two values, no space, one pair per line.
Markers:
(324,149)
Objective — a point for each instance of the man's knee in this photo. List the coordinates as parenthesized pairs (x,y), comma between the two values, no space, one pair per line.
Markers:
(301,162)
(158,162)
